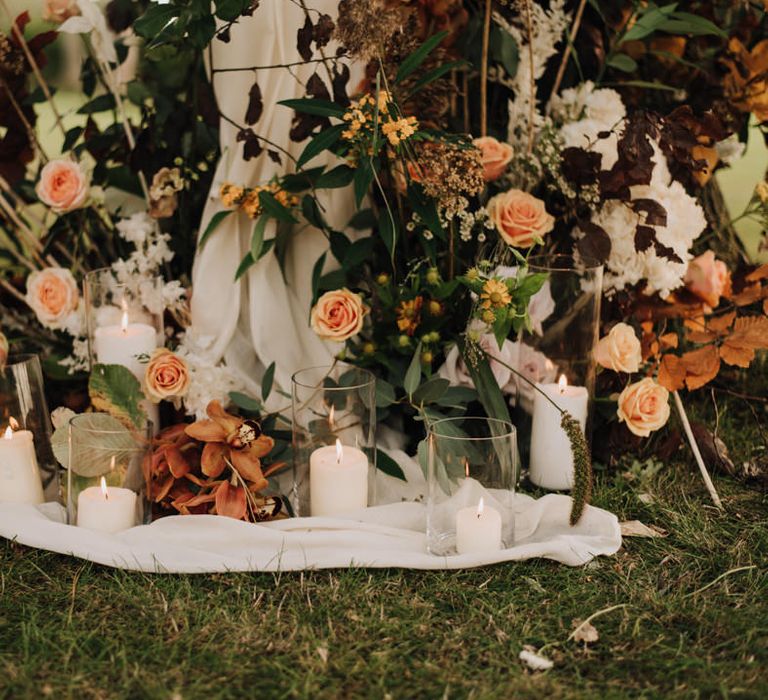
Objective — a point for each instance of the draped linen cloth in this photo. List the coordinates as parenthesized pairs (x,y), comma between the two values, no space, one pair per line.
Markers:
(384,536)
(263,317)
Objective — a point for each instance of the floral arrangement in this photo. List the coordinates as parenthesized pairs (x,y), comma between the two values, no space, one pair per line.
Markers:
(482,134)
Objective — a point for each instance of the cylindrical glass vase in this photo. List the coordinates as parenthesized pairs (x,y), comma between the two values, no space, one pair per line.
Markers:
(29,472)
(471,475)
(334,440)
(557,354)
(106,488)
(124,322)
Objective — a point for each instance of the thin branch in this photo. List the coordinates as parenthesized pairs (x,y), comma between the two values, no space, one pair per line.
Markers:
(23,117)
(532,104)
(24,230)
(696,452)
(258,136)
(484,70)
(567,53)
(274,65)
(12,291)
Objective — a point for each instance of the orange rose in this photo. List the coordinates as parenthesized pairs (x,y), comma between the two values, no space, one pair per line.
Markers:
(52,294)
(59,10)
(519,217)
(708,278)
(644,407)
(63,185)
(619,350)
(167,376)
(338,315)
(3,350)
(495,157)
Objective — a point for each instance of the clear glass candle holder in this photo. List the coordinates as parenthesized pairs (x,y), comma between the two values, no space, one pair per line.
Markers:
(334,440)
(124,322)
(106,488)
(29,473)
(557,354)
(471,475)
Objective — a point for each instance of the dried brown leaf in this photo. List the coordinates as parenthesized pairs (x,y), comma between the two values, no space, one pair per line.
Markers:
(701,366)
(634,528)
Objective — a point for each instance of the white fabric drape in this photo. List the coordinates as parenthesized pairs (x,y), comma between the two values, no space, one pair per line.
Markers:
(264,317)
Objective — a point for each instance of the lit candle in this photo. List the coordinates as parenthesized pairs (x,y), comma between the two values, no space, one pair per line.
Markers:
(124,343)
(551,465)
(338,480)
(19,474)
(478,529)
(106,509)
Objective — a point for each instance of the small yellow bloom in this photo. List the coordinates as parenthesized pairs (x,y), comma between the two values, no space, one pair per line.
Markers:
(495,295)
(369,348)
(231,195)
(488,316)
(251,204)
(409,315)
(434,308)
(427,357)
(762,191)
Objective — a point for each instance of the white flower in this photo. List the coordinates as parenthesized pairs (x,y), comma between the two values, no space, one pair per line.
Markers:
(533,365)
(91,21)
(730,150)
(136,228)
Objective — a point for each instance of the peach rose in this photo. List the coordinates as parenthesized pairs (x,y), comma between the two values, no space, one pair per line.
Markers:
(619,350)
(519,217)
(52,294)
(166,376)
(59,10)
(708,278)
(63,185)
(495,157)
(644,407)
(338,315)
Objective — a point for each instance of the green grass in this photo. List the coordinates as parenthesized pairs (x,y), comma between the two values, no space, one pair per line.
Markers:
(74,629)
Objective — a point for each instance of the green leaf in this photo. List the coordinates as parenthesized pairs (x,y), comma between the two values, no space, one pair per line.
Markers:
(325,139)
(216,219)
(274,209)
(385,393)
(643,84)
(317,272)
(114,390)
(363,220)
(257,238)
(153,21)
(244,265)
(386,464)
(357,253)
(622,62)
(388,233)
(435,74)
(414,60)
(245,402)
(688,23)
(413,374)
(71,137)
(102,103)
(362,179)
(458,396)
(431,390)
(321,108)
(648,22)
(311,212)
(340,176)
(340,244)
(267,381)
(487,388)
(230,10)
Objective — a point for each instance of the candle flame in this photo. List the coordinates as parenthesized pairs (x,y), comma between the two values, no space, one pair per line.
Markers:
(330,417)
(104,488)
(13,423)
(8,433)
(480,507)
(562,383)
(339,451)
(124,320)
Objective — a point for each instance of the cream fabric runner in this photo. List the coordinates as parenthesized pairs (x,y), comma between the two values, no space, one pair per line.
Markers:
(390,535)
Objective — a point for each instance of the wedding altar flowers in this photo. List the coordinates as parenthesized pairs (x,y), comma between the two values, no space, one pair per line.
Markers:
(53,295)
(338,315)
(520,218)
(63,185)
(644,407)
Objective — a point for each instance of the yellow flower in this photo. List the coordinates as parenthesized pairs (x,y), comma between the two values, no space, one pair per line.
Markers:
(409,315)
(762,191)
(231,195)
(488,316)
(251,204)
(495,295)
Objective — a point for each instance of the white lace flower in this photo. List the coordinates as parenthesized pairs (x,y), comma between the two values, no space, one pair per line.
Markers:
(91,21)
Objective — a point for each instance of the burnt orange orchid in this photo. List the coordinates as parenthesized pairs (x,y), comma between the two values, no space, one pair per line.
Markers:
(212,466)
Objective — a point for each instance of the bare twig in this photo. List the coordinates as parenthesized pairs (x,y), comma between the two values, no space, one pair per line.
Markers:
(274,65)
(532,80)
(696,452)
(23,117)
(484,70)
(566,54)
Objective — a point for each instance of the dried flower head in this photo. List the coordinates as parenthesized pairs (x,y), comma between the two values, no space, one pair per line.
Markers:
(363,28)
(409,315)
(448,170)
(11,57)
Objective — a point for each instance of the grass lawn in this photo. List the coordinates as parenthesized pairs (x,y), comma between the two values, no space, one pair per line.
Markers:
(694,621)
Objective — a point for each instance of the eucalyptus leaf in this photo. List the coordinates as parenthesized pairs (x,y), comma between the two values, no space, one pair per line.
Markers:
(413,374)
(386,464)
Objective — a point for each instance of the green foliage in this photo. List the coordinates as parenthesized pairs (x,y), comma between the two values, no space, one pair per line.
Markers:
(414,60)
(213,224)
(114,390)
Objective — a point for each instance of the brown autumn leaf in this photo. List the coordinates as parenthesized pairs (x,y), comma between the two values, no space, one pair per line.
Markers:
(765,307)
(701,366)
(749,295)
(709,155)
(584,632)
(758,274)
(720,324)
(746,83)
(669,341)
(671,373)
(635,528)
(750,333)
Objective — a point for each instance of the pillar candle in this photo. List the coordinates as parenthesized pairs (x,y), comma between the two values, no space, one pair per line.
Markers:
(19,474)
(338,480)
(478,529)
(106,509)
(551,462)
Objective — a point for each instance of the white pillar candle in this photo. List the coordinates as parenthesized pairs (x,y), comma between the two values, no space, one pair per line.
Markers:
(106,509)
(338,480)
(551,462)
(478,529)
(19,474)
